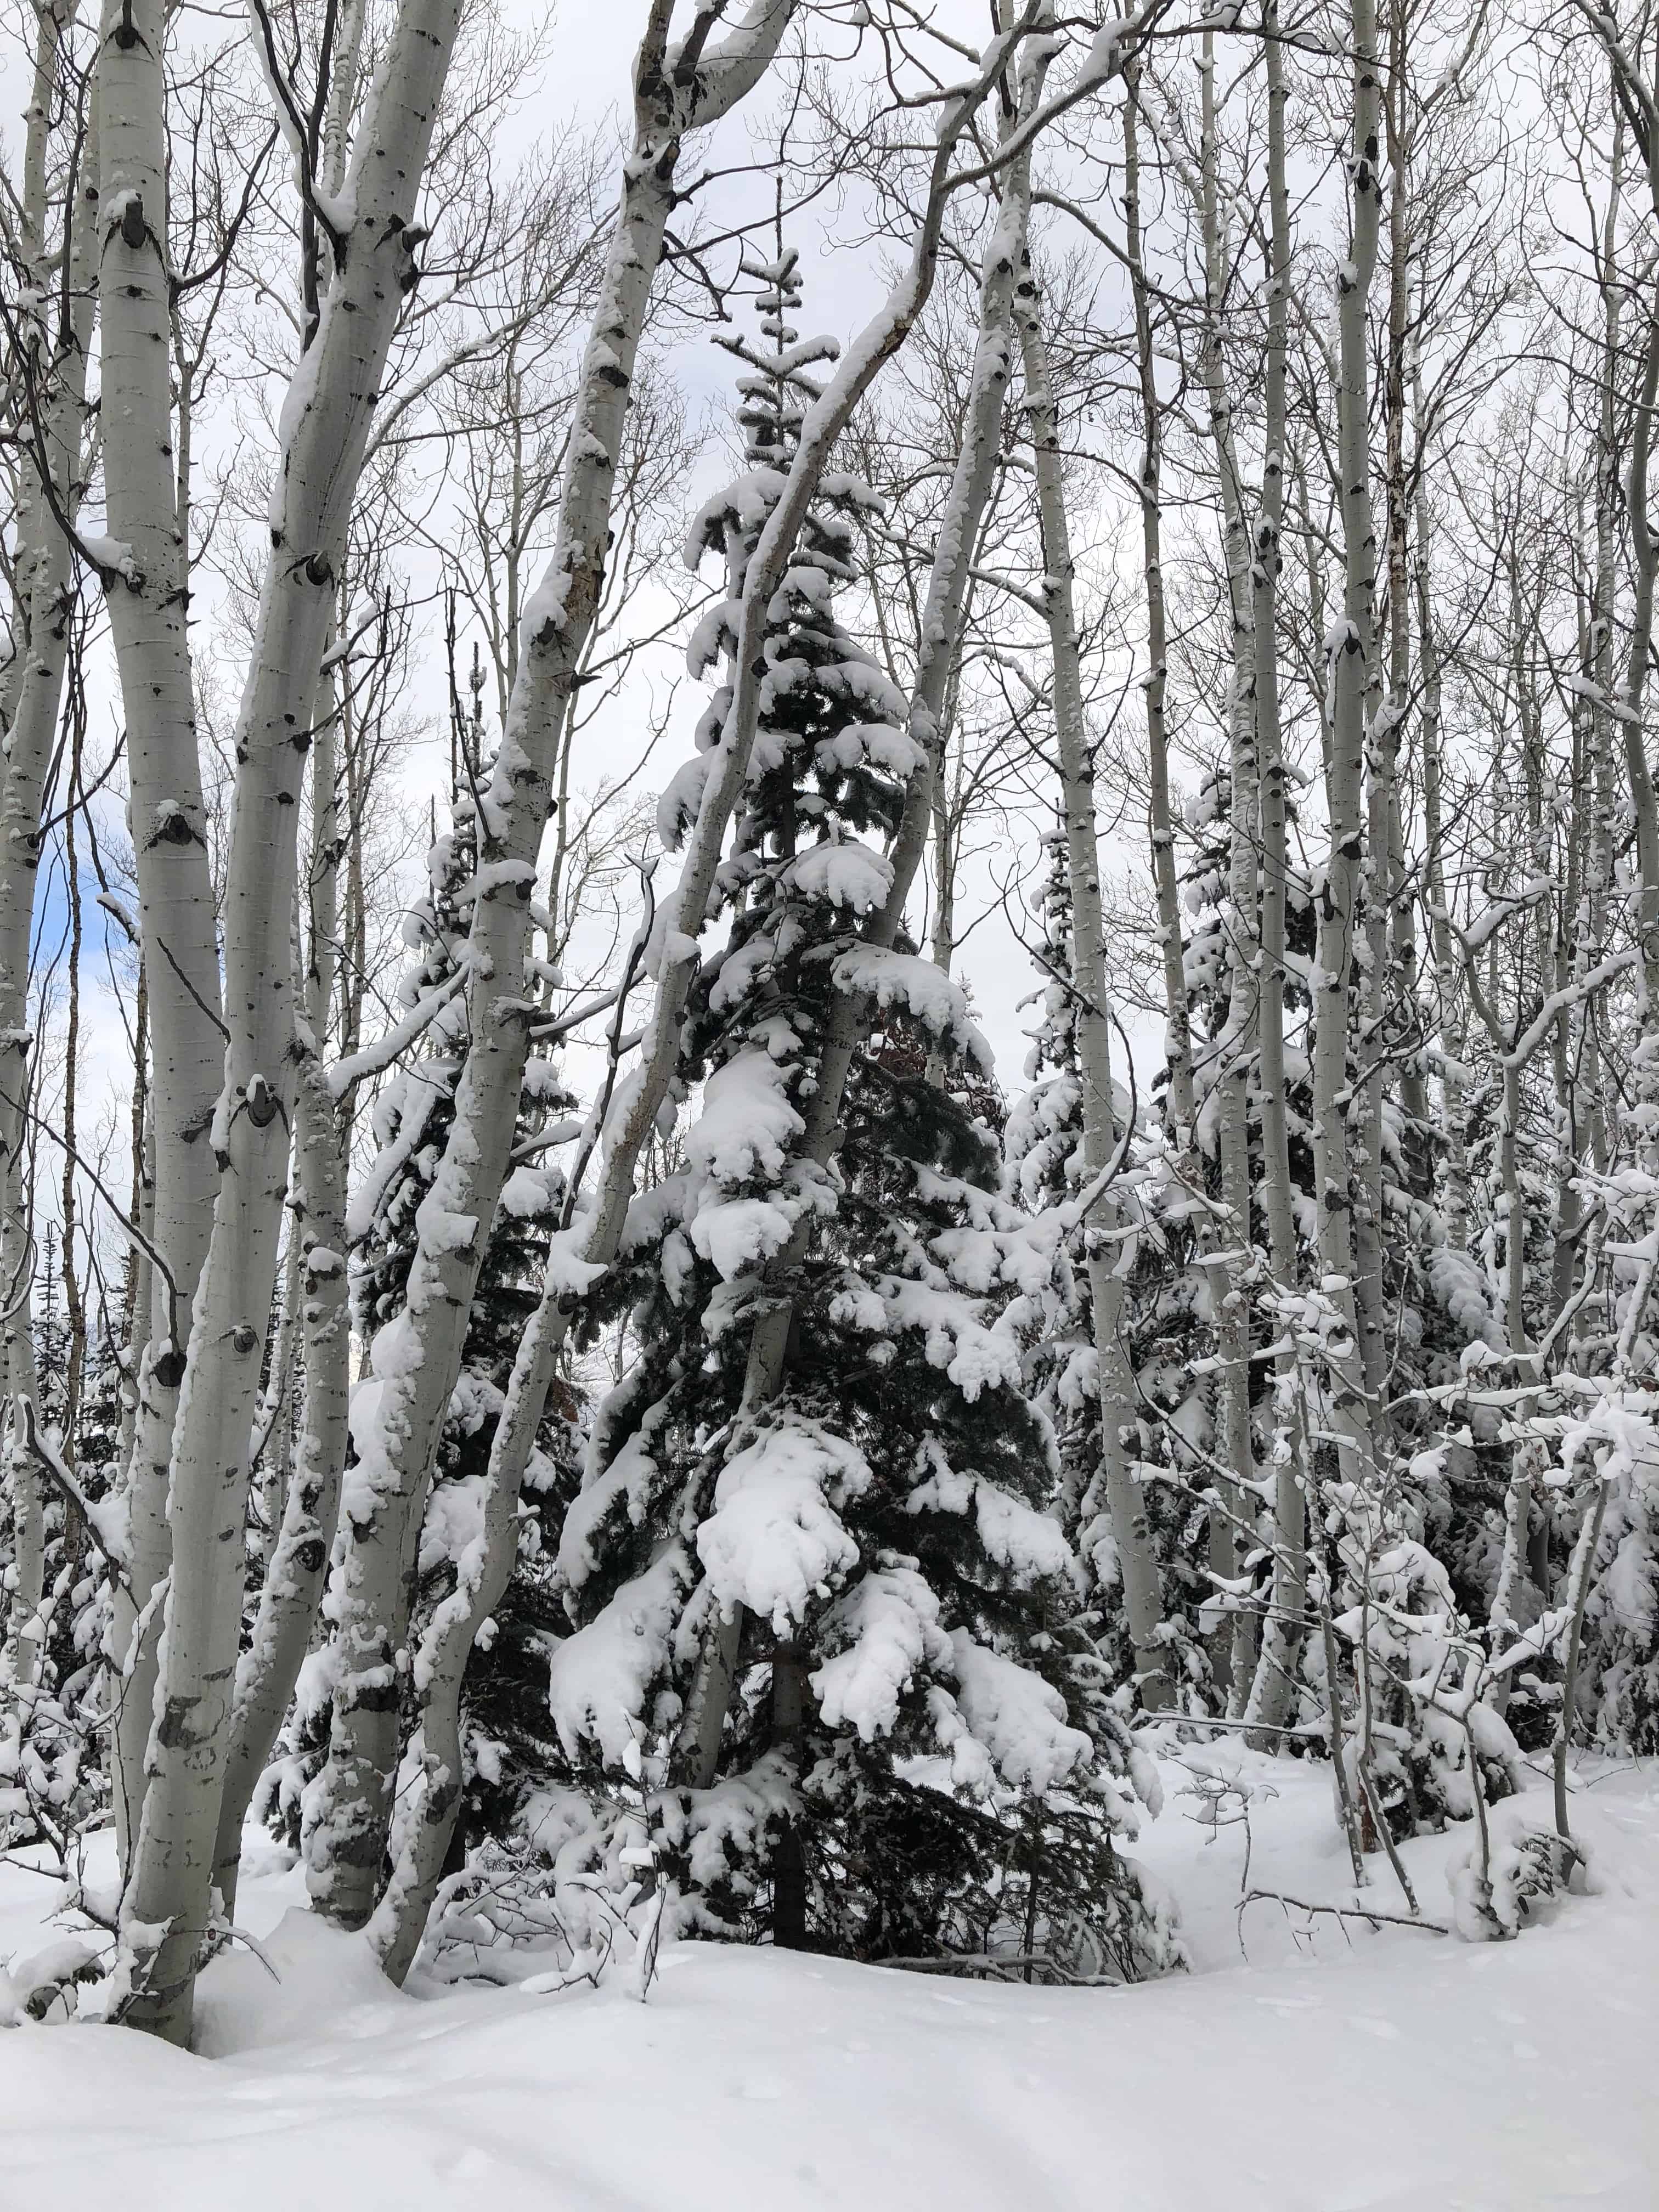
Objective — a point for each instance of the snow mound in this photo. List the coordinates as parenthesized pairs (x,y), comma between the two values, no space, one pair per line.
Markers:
(322,1974)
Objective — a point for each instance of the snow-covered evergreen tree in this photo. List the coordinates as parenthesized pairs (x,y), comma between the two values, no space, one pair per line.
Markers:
(53,1775)
(865,1557)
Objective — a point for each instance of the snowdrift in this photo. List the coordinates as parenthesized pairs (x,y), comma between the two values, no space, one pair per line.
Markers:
(1328,2069)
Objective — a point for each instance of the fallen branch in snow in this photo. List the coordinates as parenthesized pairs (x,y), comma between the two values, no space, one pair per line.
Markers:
(1339,1912)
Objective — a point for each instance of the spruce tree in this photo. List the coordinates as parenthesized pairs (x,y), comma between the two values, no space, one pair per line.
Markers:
(917,1744)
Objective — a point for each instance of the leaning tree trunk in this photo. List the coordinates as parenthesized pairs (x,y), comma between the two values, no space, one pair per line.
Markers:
(418,1356)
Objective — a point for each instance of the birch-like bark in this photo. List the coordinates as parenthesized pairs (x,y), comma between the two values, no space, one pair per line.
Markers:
(1636,98)
(1561,970)
(1350,649)
(1399,995)
(1143,1604)
(1600,779)
(310,1505)
(1644,804)
(324,427)
(1530,1459)
(1177,1026)
(147,604)
(1453,1133)
(678,89)
(140,1271)
(1233,1660)
(1284,1631)
(1376,712)
(75,1311)
(269,1456)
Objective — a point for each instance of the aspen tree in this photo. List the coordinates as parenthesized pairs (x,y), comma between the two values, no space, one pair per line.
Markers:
(1274,1691)
(1351,648)
(246,1143)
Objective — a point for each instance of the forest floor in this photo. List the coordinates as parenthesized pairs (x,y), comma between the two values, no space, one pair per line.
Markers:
(1321,2071)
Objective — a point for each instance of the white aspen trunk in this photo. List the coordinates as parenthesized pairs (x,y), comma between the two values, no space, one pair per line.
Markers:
(1313,576)
(675,92)
(1644,804)
(1515,1227)
(310,1505)
(1399,996)
(1143,1602)
(1531,1458)
(1633,94)
(268,1457)
(326,425)
(141,1273)
(1231,1658)
(33,697)
(1561,955)
(1371,1041)
(1351,650)
(75,1311)
(1274,1691)
(1600,779)
(148,605)
(430,1775)
(1452,1135)
(1177,1026)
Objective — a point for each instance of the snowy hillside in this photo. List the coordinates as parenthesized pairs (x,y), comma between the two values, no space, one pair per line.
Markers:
(1321,2074)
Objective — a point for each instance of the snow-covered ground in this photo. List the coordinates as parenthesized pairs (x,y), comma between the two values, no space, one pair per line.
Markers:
(1318,2074)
